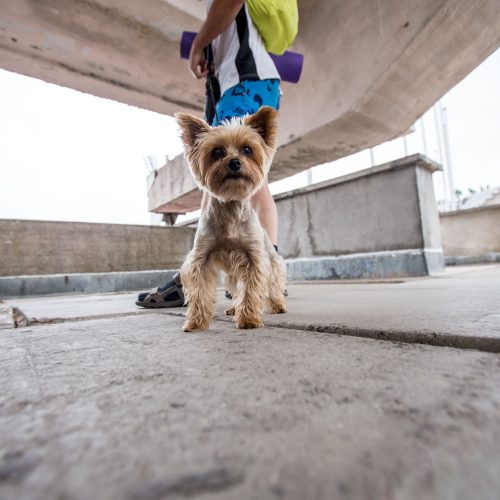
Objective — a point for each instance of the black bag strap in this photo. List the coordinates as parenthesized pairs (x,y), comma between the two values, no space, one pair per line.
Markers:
(212,88)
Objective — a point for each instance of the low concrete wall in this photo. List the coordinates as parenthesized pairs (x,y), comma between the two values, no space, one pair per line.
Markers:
(39,248)
(59,284)
(379,222)
(471,233)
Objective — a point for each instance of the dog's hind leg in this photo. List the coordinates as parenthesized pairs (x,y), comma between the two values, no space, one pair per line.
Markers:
(231,286)
(276,283)
(199,279)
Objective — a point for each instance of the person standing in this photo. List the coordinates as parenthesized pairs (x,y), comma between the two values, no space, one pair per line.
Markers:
(240,78)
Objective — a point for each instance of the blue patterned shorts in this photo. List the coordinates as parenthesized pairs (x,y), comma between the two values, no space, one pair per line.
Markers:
(246,98)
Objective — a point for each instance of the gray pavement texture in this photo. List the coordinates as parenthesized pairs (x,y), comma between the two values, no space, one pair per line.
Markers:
(458,308)
(115,403)
(132,408)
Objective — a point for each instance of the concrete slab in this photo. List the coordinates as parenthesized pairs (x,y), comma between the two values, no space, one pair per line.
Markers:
(132,408)
(459,308)
(77,307)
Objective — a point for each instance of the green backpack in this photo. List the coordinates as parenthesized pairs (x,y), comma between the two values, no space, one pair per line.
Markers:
(277,22)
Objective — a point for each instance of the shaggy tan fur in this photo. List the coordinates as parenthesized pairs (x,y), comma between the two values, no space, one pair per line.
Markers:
(229,236)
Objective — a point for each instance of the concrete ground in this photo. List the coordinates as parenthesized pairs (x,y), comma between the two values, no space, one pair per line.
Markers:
(363,390)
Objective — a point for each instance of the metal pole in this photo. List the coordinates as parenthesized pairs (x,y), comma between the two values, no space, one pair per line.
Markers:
(446,142)
(309,177)
(423,135)
(447,197)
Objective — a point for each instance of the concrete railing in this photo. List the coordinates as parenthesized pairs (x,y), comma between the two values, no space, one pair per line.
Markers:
(35,247)
(376,223)
(472,235)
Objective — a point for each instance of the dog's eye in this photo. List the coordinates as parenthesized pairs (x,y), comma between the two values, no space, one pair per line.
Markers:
(218,153)
(247,150)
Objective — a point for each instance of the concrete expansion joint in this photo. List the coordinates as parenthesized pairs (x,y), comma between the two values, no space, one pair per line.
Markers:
(434,339)
(53,321)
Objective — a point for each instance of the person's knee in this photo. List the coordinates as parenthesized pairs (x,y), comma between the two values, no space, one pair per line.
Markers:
(263,198)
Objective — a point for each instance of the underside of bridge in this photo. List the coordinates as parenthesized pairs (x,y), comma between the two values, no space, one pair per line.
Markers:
(371,67)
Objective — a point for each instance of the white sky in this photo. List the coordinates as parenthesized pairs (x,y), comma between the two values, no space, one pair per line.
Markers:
(65,155)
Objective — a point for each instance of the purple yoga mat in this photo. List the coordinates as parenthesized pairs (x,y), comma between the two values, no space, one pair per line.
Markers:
(289,65)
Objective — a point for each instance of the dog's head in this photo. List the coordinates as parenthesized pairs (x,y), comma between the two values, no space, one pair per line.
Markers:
(232,160)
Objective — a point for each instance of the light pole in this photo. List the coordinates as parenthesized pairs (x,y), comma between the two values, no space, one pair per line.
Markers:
(446,143)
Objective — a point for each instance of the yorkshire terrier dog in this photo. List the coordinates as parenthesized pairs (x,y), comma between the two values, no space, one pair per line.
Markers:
(231,162)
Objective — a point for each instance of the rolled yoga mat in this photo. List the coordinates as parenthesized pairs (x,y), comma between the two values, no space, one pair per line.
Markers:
(289,65)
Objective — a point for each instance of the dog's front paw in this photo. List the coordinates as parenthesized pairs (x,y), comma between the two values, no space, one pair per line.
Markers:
(230,311)
(193,326)
(247,323)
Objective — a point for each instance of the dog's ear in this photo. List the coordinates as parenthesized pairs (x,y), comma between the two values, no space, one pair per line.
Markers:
(265,122)
(191,128)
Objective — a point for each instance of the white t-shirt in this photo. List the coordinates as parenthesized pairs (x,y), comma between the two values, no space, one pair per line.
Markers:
(239,53)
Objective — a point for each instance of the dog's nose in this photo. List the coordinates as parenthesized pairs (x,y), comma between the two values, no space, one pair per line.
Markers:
(234,164)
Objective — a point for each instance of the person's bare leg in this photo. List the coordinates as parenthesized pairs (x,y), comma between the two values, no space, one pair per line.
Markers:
(205,199)
(263,203)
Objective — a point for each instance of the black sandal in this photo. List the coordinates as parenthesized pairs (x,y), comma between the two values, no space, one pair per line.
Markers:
(170,295)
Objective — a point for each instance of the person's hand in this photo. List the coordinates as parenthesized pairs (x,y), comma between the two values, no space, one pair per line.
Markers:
(197,61)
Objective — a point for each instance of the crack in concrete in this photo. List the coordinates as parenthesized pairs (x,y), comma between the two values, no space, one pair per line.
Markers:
(439,339)
(210,481)
(435,339)
(53,321)
(30,362)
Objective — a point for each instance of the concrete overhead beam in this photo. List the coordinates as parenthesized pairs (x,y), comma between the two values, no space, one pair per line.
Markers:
(173,189)
(371,68)
(122,50)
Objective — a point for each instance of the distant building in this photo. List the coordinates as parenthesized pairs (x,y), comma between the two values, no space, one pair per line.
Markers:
(484,197)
